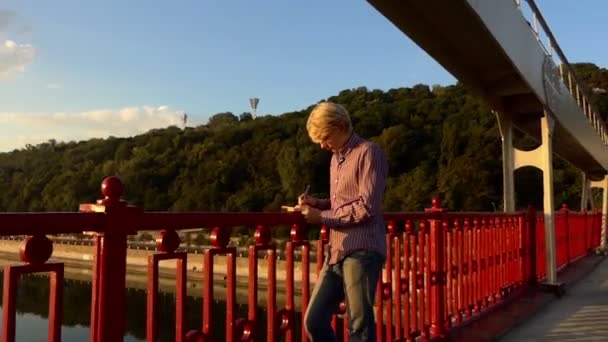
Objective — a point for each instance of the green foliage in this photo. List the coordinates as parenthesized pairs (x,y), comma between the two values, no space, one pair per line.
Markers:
(439,141)
(595,81)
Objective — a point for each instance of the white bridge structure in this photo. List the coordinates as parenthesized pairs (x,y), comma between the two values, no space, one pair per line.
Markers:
(504,51)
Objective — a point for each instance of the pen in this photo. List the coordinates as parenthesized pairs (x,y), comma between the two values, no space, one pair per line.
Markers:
(307,189)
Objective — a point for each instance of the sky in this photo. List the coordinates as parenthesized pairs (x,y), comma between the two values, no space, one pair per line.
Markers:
(78,69)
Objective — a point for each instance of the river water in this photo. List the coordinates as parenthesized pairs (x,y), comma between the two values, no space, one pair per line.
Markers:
(32,312)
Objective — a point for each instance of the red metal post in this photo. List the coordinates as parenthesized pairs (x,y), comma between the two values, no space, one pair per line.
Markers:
(446,271)
(230,291)
(414,282)
(297,240)
(530,231)
(565,212)
(9,303)
(492,238)
(305,282)
(180,296)
(35,251)
(208,295)
(290,304)
(457,273)
(95,288)
(585,229)
(220,238)
(387,285)
(499,243)
(476,266)
(271,303)
(437,329)
(515,252)
(484,263)
(108,292)
(597,229)
(448,266)
(522,252)
(423,281)
(263,243)
(507,255)
(55,303)
(152,300)
(469,296)
(541,256)
(396,241)
(12,273)
(407,281)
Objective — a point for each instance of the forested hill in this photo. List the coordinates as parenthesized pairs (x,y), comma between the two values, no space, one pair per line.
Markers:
(439,141)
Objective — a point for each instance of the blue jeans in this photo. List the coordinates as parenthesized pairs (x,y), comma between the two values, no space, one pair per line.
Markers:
(353,279)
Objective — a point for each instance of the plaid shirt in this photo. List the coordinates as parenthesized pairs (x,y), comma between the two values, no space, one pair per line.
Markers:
(353,213)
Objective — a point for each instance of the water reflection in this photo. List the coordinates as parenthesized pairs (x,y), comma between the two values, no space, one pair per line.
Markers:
(32,311)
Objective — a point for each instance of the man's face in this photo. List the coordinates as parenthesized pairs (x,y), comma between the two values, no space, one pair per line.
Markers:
(333,141)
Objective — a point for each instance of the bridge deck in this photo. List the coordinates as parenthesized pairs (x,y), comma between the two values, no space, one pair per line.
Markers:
(492,48)
(582,315)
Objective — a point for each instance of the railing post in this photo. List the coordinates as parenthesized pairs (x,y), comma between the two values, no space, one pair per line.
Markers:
(530,231)
(108,288)
(437,329)
(585,234)
(566,219)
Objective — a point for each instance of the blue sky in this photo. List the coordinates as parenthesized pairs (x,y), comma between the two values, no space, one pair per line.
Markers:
(79,69)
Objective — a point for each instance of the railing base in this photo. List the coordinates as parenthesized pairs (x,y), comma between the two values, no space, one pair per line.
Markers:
(601,251)
(558,289)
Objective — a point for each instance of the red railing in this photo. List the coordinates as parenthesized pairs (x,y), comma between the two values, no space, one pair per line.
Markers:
(576,234)
(443,270)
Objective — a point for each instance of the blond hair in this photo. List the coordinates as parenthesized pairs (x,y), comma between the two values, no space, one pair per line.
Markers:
(326,118)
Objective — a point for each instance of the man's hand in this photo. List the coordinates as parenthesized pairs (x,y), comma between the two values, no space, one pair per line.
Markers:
(312,215)
(306,199)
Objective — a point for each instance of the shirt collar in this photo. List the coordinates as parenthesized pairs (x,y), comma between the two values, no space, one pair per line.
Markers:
(353,141)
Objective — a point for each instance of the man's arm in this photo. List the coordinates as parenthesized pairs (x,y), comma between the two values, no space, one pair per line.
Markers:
(323,204)
(373,170)
(319,203)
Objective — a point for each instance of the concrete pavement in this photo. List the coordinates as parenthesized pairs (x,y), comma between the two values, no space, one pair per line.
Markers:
(581,315)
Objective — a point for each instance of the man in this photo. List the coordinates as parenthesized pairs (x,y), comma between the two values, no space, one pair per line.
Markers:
(353,213)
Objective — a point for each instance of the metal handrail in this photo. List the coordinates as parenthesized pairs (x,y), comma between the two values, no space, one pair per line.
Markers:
(572,78)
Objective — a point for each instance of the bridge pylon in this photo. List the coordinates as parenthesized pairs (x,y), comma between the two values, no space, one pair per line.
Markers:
(603,184)
(541,158)
(586,198)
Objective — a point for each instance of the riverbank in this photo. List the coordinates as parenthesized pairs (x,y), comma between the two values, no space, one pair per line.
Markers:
(78,265)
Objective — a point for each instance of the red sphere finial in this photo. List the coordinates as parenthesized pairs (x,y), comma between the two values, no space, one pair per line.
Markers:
(284,319)
(391,228)
(36,250)
(386,290)
(297,233)
(168,241)
(220,237)
(435,203)
(324,233)
(112,188)
(245,330)
(262,235)
(564,207)
(408,226)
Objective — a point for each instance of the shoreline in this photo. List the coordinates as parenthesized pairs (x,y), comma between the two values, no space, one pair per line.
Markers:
(78,265)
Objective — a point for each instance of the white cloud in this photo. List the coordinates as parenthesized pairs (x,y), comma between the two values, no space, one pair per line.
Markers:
(19,129)
(14,57)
